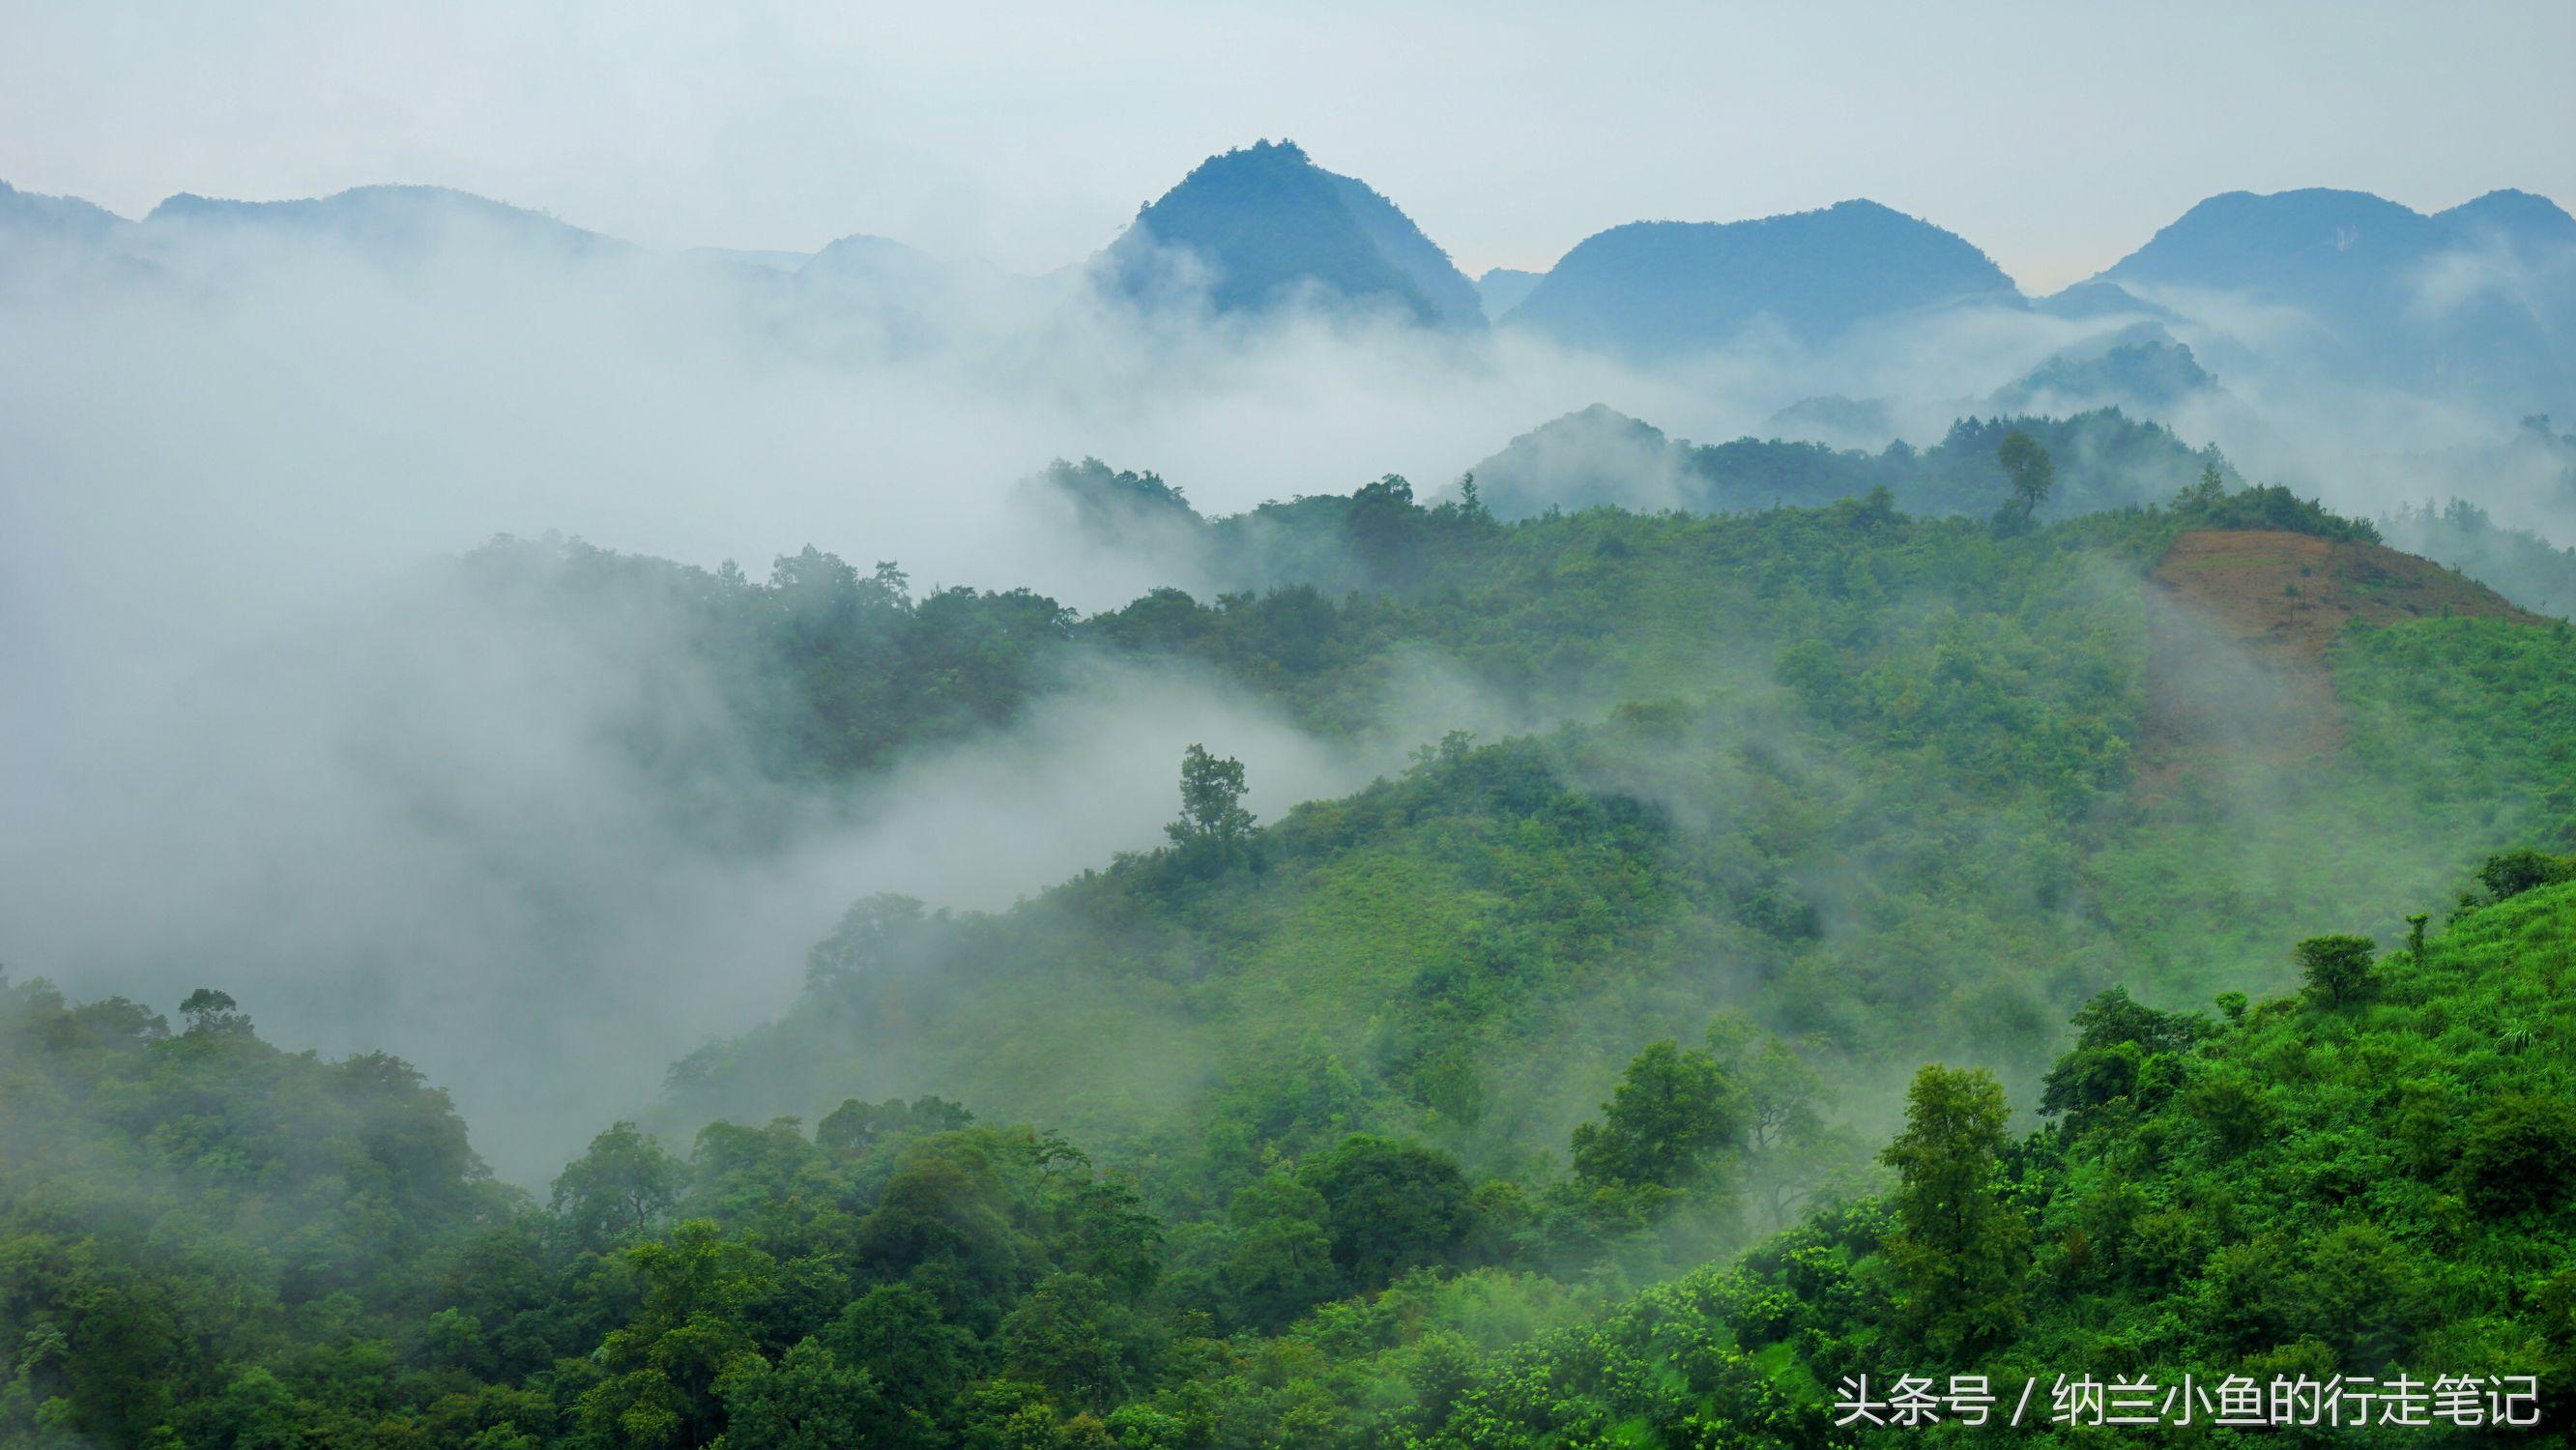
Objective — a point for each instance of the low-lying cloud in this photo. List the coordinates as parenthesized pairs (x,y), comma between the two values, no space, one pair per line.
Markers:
(251,737)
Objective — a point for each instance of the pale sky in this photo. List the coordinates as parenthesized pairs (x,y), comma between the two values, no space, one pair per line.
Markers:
(2057,136)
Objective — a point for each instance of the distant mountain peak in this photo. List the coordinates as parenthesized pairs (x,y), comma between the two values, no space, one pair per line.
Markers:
(1503,288)
(1282,152)
(1262,226)
(1666,287)
(2517,215)
(2087,300)
(866,252)
(2141,369)
(387,219)
(2472,303)
(383,195)
(64,217)
(2256,236)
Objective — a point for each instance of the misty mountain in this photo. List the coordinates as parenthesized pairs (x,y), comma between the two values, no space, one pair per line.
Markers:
(2086,301)
(1596,457)
(1333,543)
(1658,289)
(910,833)
(1264,226)
(31,216)
(48,241)
(1844,422)
(774,261)
(873,262)
(2516,563)
(2141,369)
(2316,245)
(2478,300)
(865,299)
(1503,288)
(1600,457)
(384,223)
(894,274)
(2516,218)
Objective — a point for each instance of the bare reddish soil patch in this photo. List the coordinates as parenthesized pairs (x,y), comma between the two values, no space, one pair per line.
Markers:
(2291,594)
(2240,621)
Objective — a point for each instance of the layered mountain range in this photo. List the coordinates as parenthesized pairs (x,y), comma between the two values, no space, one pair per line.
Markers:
(2478,301)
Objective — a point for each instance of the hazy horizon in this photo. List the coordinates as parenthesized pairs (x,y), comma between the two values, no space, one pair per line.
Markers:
(1508,136)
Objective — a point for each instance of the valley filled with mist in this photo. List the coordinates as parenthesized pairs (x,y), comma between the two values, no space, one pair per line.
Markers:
(1255,841)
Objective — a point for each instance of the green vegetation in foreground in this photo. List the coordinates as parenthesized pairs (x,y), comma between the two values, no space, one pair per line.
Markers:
(210,1242)
(2365,1181)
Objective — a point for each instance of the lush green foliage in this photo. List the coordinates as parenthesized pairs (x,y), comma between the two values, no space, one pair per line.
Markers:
(211,1242)
(828,671)
(214,1243)
(2294,1188)
(1410,1106)
(1868,779)
(186,1217)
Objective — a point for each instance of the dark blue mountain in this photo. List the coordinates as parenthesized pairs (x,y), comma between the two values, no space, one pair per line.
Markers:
(2305,244)
(1658,289)
(2517,218)
(1264,227)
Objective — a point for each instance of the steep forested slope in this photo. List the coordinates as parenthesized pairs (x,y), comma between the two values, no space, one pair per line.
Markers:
(1870,779)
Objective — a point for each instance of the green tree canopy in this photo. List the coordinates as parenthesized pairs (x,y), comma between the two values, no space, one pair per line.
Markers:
(1961,1248)
(2029,471)
(1212,791)
(2336,968)
(1665,1123)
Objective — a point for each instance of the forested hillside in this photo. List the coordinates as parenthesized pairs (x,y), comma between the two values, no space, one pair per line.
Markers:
(1882,785)
(1566,1087)
(2362,1181)
(2365,1179)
